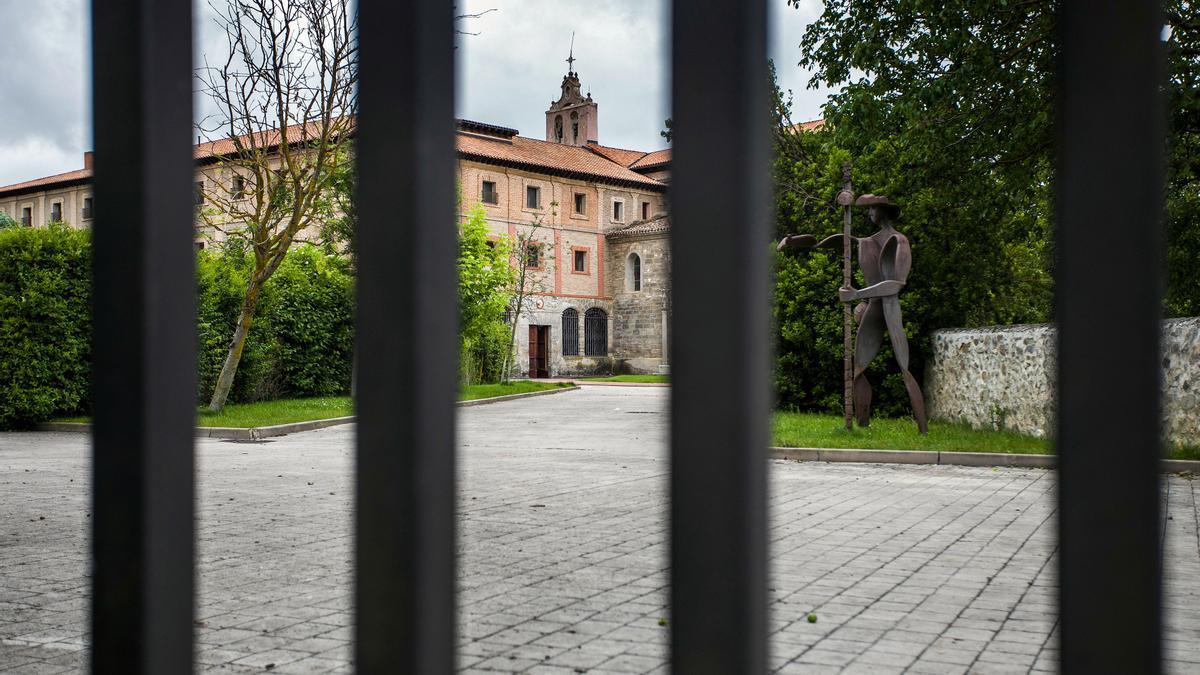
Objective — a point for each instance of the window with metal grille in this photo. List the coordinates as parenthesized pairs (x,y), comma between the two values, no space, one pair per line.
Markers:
(56,212)
(87,208)
(570,332)
(595,332)
(27,216)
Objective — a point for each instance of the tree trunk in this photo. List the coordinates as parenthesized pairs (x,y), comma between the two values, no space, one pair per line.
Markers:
(234,357)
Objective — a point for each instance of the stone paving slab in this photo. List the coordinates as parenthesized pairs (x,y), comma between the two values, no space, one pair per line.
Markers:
(909,568)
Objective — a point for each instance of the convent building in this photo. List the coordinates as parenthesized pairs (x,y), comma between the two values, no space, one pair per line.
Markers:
(599,281)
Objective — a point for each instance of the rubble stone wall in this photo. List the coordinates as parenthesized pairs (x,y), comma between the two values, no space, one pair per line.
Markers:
(1003,377)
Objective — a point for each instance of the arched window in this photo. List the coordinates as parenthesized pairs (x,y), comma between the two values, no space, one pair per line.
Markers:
(633,272)
(570,332)
(558,128)
(595,332)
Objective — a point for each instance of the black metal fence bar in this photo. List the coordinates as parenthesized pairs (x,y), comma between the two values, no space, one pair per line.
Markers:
(144,338)
(720,201)
(1109,216)
(406,339)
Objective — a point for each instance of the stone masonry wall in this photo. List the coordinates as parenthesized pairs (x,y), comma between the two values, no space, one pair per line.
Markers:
(639,316)
(1004,377)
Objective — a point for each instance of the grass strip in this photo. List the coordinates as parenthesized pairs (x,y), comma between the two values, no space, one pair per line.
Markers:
(289,410)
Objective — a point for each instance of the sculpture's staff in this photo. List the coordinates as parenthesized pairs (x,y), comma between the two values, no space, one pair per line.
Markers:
(846,199)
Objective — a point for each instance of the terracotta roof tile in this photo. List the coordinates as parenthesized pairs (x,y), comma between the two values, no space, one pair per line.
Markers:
(37,184)
(659,225)
(619,155)
(554,157)
(652,159)
(595,162)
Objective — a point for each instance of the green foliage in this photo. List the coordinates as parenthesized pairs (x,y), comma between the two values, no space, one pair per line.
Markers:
(301,341)
(484,277)
(6,221)
(45,324)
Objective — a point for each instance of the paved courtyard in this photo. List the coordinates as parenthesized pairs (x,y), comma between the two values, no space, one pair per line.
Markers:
(927,569)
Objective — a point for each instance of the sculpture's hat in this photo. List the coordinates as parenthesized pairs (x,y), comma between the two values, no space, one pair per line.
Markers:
(878,200)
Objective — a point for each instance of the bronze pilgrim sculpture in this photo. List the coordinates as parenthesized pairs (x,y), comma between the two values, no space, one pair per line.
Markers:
(885,259)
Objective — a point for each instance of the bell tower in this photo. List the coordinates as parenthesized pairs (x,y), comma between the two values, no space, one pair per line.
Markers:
(571,119)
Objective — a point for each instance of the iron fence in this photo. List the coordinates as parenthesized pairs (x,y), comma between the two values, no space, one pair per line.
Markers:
(1111,136)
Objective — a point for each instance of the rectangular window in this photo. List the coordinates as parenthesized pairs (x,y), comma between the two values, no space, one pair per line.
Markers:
(27,216)
(87,208)
(645,210)
(580,203)
(618,211)
(490,196)
(533,253)
(199,192)
(239,187)
(199,245)
(56,212)
(533,197)
(581,261)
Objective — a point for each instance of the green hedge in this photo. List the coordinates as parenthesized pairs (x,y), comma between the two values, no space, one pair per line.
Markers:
(302,338)
(45,324)
(300,343)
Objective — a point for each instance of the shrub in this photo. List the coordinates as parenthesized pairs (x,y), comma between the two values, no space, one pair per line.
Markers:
(45,324)
(300,343)
(301,340)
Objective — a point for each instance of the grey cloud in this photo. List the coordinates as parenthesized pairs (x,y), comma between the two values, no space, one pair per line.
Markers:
(507,74)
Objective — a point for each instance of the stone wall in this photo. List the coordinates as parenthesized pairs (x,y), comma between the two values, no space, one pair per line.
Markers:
(1004,377)
(640,317)
(546,310)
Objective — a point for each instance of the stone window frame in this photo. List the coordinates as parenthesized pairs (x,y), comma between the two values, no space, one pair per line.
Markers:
(634,276)
(60,203)
(28,206)
(579,199)
(544,188)
(617,205)
(483,183)
(237,187)
(646,213)
(587,260)
(87,207)
(596,319)
(540,248)
(570,321)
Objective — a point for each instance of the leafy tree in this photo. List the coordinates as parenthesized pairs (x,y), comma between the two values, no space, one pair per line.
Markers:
(484,277)
(6,221)
(286,96)
(948,108)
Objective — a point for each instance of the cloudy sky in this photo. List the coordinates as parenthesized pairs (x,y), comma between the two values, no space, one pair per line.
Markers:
(508,73)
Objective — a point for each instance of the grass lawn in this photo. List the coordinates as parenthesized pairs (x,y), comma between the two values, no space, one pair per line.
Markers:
(286,411)
(806,430)
(643,379)
(477,391)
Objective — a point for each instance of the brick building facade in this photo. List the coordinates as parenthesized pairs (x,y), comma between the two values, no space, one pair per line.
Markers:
(599,297)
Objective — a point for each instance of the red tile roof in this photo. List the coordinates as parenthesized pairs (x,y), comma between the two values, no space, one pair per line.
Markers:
(633,159)
(659,225)
(554,158)
(77,177)
(475,140)
(657,158)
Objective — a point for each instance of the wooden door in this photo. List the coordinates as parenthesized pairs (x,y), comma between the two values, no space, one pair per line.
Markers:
(539,348)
